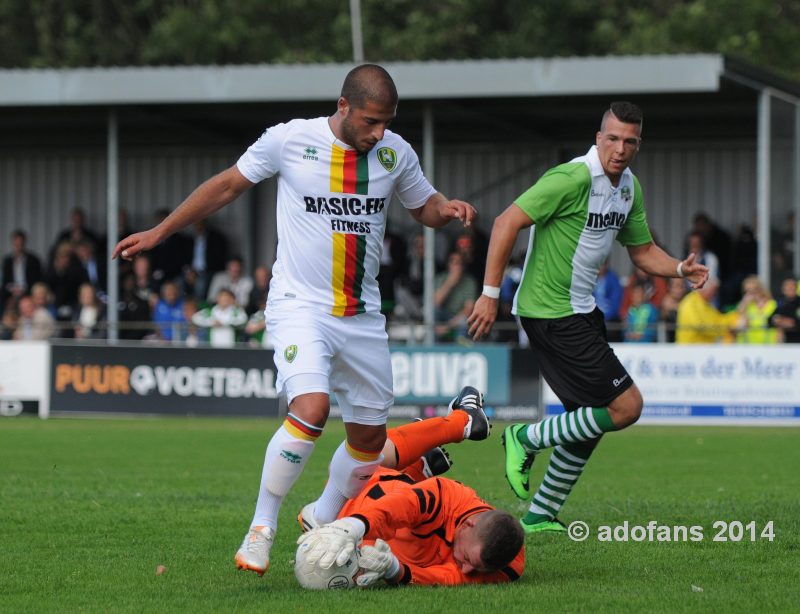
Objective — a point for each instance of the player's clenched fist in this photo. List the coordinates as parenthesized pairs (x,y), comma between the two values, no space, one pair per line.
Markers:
(377,562)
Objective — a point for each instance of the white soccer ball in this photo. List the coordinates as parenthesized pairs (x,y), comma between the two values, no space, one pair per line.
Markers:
(316,578)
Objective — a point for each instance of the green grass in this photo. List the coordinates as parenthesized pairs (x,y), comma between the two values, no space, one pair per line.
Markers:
(89,508)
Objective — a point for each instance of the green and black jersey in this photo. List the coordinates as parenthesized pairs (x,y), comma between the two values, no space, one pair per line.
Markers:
(577,214)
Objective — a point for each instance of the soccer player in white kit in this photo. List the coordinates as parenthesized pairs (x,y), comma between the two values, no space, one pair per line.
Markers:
(336,177)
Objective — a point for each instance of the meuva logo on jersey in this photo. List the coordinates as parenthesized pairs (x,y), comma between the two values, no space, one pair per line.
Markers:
(606,221)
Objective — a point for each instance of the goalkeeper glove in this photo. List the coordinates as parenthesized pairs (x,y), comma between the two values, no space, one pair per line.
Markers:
(333,543)
(377,562)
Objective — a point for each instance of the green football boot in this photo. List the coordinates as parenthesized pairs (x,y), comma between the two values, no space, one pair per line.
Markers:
(544,526)
(518,461)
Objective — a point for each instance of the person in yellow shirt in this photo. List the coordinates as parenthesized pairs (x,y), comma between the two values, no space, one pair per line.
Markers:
(699,321)
(755,309)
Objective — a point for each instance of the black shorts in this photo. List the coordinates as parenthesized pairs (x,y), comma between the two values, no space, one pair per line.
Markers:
(576,360)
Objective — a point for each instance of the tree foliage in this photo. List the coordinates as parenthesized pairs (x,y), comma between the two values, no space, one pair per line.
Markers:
(69,33)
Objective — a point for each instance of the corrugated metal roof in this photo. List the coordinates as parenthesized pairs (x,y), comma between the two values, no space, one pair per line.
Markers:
(416,80)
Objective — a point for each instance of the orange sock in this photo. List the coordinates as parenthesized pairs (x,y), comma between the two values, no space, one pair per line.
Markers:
(412,440)
(414,471)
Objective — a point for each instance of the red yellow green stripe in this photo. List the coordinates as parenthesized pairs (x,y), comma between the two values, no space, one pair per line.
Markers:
(300,430)
(364,456)
(349,171)
(349,251)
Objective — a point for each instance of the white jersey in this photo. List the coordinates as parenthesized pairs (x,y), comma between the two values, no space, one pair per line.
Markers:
(332,210)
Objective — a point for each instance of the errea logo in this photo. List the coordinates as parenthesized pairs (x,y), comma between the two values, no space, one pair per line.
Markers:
(310,153)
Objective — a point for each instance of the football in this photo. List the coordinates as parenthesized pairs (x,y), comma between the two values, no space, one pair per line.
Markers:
(316,578)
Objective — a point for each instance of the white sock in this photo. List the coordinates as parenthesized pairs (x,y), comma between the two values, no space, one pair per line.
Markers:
(283,463)
(348,473)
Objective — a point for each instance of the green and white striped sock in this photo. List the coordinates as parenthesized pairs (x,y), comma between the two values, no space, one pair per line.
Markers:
(583,424)
(565,467)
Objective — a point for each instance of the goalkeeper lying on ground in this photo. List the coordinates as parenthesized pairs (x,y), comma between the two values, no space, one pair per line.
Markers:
(417,527)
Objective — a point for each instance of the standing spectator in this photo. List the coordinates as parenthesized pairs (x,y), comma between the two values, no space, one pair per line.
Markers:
(222,319)
(697,245)
(133,311)
(77,230)
(393,267)
(258,295)
(64,277)
(608,297)
(192,335)
(744,262)
(169,258)
(786,317)
(755,309)
(641,319)
(455,295)
(94,267)
(699,321)
(21,269)
(34,323)
(209,254)
(716,240)
(89,314)
(234,280)
(168,312)
(409,290)
(144,284)
(669,305)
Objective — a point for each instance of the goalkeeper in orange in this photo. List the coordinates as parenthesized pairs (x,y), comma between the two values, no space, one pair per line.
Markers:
(417,527)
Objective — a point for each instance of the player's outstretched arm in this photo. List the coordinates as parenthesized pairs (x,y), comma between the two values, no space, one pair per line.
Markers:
(655,261)
(438,211)
(504,234)
(207,198)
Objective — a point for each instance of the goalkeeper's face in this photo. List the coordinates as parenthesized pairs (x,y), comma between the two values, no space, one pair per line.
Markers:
(467,548)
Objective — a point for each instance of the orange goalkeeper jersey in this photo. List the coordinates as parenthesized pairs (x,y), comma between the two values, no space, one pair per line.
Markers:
(419,520)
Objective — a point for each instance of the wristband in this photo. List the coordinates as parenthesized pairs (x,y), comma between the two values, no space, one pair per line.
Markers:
(680,269)
(491,291)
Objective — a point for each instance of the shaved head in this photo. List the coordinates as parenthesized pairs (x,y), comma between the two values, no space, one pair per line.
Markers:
(369,83)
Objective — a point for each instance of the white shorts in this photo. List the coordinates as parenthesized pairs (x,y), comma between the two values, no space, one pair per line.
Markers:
(319,352)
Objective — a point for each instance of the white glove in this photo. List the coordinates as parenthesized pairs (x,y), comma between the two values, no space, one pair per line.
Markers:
(377,562)
(333,543)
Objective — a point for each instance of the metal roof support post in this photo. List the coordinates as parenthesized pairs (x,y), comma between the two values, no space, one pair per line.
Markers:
(430,235)
(763,140)
(796,194)
(355,29)
(112,223)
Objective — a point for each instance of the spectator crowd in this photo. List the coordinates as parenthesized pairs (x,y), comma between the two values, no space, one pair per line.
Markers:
(192,290)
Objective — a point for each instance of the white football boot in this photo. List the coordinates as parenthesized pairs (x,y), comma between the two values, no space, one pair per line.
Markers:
(253,554)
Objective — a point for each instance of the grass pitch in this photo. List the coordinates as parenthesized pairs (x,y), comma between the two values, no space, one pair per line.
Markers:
(90,508)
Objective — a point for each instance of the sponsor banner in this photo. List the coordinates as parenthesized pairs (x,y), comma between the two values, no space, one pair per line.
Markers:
(436,374)
(24,377)
(711,384)
(163,380)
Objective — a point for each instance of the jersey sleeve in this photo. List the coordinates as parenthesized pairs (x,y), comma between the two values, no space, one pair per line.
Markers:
(635,230)
(547,197)
(412,188)
(449,573)
(263,158)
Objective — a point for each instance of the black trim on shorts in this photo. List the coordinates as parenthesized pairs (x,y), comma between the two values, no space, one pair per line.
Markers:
(575,359)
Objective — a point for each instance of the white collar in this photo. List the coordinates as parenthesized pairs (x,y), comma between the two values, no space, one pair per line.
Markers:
(592,159)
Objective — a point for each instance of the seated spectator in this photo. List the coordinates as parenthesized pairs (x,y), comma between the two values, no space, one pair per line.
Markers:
(508,290)
(34,323)
(8,322)
(456,291)
(655,289)
(64,277)
(234,280)
(786,317)
(472,243)
(641,319)
(699,321)
(89,314)
(133,311)
(168,312)
(222,320)
(258,295)
(669,305)
(192,335)
(21,269)
(43,298)
(256,328)
(755,309)
(608,295)
(393,267)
